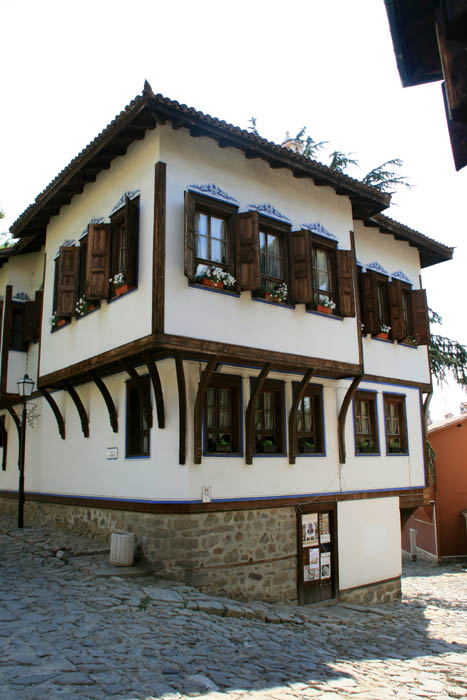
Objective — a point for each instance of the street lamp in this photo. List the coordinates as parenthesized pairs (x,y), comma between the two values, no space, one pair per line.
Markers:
(25,387)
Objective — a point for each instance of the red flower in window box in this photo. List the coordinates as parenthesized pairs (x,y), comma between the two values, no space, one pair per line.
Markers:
(208,282)
(385,336)
(60,322)
(122,289)
(383,332)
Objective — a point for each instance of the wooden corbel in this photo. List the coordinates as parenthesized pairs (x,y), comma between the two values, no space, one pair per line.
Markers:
(300,393)
(250,413)
(343,414)
(55,409)
(181,407)
(83,416)
(145,400)
(157,386)
(198,413)
(14,415)
(109,402)
(4,435)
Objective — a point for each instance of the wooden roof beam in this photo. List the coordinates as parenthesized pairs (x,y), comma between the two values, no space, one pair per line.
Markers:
(55,410)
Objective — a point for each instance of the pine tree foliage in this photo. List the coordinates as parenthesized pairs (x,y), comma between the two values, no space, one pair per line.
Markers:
(340,161)
(385,178)
(447,356)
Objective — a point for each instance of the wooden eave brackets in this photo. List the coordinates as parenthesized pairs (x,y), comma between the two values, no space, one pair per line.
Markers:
(107,398)
(300,393)
(250,413)
(181,407)
(133,374)
(56,411)
(14,415)
(343,414)
(79,406)
(156,385)
(198,413)
(4,435)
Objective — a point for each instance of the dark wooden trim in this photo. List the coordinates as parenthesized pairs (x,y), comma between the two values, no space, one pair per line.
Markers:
(145,400)
(157,387)
(56,411)
(198,410)
(181,384)
(358,311)
(80,370)
(342,416)
(250,413)
(6,337)
(299,394)
(397,382)
(407,499)
(158,275)
(14,415)
(83,416)
(109,402)
(305,509)
(4,434)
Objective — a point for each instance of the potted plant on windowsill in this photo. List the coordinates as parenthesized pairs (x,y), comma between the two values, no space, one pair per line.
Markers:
(56,322)
(328,306)
(223,446)
(269,446)
(279,294)
(384,331)
(308,446)
(394,446)
(218,278)
(366,446)
(119,284)
(83,307)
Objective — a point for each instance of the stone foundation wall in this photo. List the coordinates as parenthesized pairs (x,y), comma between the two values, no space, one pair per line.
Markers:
(383,592)
(248,555)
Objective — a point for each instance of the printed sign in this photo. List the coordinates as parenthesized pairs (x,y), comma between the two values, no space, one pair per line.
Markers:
(326,565)
(324,532)
(310,530)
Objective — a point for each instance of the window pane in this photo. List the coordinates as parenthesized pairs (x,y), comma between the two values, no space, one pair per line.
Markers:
(201,247)
(201,224)
(217,251)
(218,228)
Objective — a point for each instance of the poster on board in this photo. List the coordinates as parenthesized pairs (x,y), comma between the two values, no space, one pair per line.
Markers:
(311,572)
(324,532)
(310,530)
(326,565)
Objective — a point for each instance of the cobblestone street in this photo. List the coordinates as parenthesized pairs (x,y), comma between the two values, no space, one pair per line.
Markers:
(69,631)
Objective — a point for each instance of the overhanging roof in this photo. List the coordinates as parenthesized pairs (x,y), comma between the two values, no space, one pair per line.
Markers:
(145,112)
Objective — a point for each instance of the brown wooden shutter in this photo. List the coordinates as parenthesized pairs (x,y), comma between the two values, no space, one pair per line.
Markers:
(189,236)
(396,311)
(345,282)
(68,281)
(301,283)
(369,303)
(131,241)
(247,251)
(420,316)
(98,261)
(28,322)
(37,316)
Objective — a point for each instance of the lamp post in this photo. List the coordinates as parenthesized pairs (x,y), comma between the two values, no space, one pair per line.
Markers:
(25,387)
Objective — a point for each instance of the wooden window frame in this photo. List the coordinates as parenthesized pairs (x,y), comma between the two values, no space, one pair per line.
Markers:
(316,392)
(330,247)
(234,383)
(371,398)
(407,313)
(399,401)
(382,304)
(274,228)
(130,452)
(118,221)
(277,387)
(17,343)
(221,210)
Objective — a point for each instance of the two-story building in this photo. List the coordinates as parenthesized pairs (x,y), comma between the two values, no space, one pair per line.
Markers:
(206,316)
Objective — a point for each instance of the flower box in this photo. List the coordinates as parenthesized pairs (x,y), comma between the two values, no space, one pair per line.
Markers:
(324,309)
(212,283)
(60,322)
(269,296)
(122,289)
(385,336)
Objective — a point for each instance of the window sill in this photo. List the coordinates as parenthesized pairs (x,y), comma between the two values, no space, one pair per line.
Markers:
(132,457)
(222,454)
(205,288)
(382,340)
(279,305)
(397,454)
(367,454)
(64,325)
(311,454)
(334,317)
(120,296)
(407,345)
(268,454)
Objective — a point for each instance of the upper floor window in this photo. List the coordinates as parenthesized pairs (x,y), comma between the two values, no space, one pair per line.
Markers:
(395,424)
(271,261)
(365,423)
(310,437)
(324,275)
(222,415)
(17,323)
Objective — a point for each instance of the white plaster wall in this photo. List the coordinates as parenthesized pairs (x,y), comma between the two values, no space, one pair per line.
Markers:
(17,368)
(24,272)
(129,317)
(203,314)
(369,538)
(373,246)
(78,466)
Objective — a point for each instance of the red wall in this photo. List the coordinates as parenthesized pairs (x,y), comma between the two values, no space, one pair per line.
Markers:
(422,522)
(450,445)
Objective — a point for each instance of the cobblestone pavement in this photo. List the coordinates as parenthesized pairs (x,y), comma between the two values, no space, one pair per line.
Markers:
(70,629)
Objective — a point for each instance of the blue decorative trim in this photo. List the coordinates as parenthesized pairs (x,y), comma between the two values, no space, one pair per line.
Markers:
(273,303)
(376,267)
(268,210)
(99,220)
(213,191)
(335,317)
(399,275)
(130,291)
(131,194)
(317,228)
(21,296)
(358,263)
(226,292)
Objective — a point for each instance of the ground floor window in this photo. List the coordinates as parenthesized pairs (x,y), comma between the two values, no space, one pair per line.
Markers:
(395,424)
(365,423)
(269,418)
(137,427)
(222,415)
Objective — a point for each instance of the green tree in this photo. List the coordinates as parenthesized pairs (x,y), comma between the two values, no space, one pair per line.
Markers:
(385,178)
(447,356)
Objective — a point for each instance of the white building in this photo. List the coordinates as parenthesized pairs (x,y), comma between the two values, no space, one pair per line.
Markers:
(260,439)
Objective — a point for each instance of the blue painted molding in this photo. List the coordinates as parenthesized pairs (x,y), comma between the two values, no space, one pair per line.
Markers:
(317,228)
(131,194)
(266,209)
(213,191)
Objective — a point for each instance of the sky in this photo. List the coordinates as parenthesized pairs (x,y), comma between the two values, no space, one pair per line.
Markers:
(70,68)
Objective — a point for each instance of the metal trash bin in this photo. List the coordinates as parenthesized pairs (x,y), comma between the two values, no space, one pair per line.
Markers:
(122,548)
